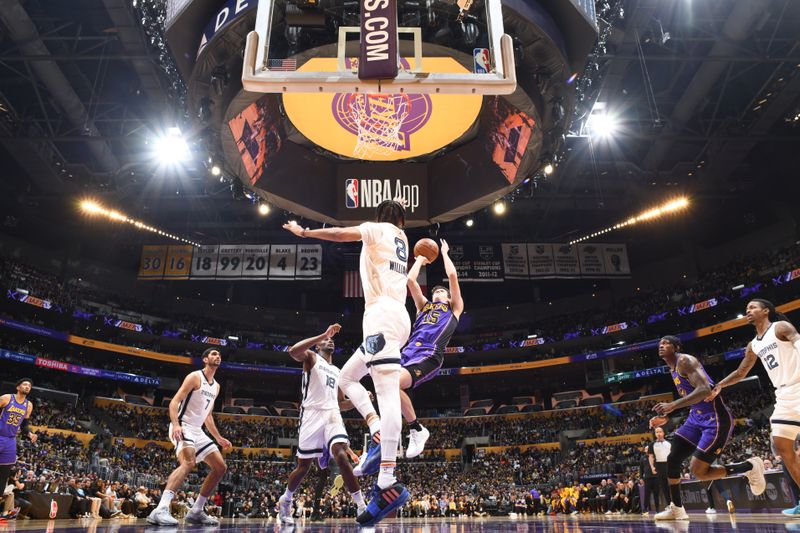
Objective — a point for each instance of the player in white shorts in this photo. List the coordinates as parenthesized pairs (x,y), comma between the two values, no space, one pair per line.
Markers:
(190,410)
(777,345)
(322,433)
(386,326)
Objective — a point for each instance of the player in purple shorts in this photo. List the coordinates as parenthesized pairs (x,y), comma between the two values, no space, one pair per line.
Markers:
(703,434)
(423,355)
(15,410)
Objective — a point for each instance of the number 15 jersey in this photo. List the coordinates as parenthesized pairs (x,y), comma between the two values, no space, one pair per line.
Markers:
(779,359)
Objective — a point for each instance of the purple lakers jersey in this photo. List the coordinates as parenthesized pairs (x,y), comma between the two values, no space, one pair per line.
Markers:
(433,327)
(685,388)
(13,415)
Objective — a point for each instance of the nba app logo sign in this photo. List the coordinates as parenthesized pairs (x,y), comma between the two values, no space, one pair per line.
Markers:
(351,193)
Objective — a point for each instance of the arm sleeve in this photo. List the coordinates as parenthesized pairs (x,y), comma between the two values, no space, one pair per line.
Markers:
(370,232)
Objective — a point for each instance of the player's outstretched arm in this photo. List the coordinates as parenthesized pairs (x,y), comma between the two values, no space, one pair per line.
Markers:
(190,383)
(348,234)
(211,426)
(301,352)
(737,375)
(452,277)
(413,286)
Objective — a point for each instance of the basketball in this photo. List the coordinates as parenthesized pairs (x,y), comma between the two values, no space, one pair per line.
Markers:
(427,248)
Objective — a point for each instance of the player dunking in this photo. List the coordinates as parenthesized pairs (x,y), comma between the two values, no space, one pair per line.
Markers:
(386,326)
(423,356)
(704,433)
(16,411)
(321,427)
(777,345)
(189,410)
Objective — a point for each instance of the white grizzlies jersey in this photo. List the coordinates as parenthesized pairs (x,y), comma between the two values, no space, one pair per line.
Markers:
(198,404)
(778,357)
(384,262)
(321,386)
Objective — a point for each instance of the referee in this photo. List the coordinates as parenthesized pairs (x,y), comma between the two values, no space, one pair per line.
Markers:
(657,453)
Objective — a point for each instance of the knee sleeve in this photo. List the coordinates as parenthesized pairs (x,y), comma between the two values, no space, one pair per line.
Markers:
(350,383)
(387,387)
(679,452)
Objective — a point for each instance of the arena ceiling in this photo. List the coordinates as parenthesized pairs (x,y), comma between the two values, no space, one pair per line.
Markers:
(708,96)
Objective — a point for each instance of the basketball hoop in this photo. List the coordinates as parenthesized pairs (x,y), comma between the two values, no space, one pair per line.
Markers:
(379,120)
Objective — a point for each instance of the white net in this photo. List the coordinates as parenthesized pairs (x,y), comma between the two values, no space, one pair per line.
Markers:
(379,119)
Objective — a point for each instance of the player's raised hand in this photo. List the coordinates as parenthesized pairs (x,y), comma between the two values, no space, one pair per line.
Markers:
(714,393)
(402,201)
(33,436)
(663,408)
(225,443)
(444,248)
(422,259)
(658,421)
(294,227)
(332,330)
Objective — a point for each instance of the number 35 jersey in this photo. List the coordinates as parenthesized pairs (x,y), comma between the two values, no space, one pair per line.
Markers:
(199,403)
(321,386)
(779,358)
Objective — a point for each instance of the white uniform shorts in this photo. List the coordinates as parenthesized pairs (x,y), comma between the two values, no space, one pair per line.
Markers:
(785,419)
(386,327)
(194,437)
(319,430)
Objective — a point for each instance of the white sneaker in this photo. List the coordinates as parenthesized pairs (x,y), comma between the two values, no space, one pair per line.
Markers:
(285,510)
(731,508)
(758,483)
(361,509)
(200,518)
(672,512)
(711,510)
(416,442)
(160,517)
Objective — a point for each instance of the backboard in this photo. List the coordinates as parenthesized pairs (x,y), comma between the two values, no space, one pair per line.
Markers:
(441,47)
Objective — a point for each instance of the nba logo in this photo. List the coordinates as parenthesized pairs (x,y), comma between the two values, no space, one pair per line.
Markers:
(482,62)
(351,193)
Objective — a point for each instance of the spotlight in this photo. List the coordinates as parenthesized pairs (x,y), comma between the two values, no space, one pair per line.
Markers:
(263,209)
(548,169)
(215,170)
(469,222)
(499,207)
(602,124)
(172,148)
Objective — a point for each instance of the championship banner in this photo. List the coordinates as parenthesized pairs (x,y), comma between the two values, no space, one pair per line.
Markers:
(152,262)
(477,262)
(204,262)
(541,262)
(309,261)
(566,260)
(282,261)
(178,263)
(256,261)
(615,257)
(515,261)
(592,260)
(229,261)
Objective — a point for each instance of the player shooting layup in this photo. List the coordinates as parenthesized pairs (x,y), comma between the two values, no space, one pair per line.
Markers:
(386,326)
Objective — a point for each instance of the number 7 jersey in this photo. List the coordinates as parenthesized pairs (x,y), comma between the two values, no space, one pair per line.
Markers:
(778,357)
(199,403)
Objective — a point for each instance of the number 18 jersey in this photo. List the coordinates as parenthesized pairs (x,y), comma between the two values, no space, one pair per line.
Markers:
(321,386)
(778,357)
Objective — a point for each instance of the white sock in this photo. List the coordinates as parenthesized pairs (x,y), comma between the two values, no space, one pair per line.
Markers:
(166,499)
(358,498)
(386,476)
(387,387)
(199,504)
(289,494)
(374,426)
